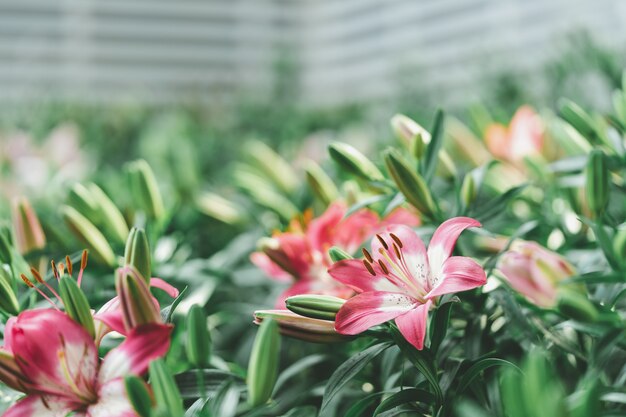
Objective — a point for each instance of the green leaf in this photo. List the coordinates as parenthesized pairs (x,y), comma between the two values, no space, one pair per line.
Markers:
(474,371)
(348,370)
(364,404)
(297,368)
(405,396)
(439,325)
(497,204)
(432,152)
(225,401)
(167,312)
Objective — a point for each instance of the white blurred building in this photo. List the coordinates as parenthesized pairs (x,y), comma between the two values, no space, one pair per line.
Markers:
(344,50)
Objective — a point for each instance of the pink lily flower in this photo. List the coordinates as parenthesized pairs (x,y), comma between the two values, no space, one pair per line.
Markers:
(402,280)
(535,272)
(54,361)
(523,137)
(300,255)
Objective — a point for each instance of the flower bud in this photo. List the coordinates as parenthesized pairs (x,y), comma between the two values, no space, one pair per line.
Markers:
(354,161)
(322,185)
(84,230)
(323,307)
(83,201)
(76,304)
(219,208)
(111,218)
(272,165)
(29,235)
(138,306)
(619,244)
(145,189)
(409,131)
(198,338)
(577,306)
(578,118)
(8,299)
(300,327)
(10,373)
(410,183)
(138,395)
(337,254)
(468,190)
(597,182)
(264,362)
(166,394)
(137,253)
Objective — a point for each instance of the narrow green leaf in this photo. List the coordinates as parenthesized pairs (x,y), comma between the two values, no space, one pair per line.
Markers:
(405,396)
(432,151)
(474,371)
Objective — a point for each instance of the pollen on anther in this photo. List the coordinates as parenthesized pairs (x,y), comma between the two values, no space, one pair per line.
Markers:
(83,260)
(369,267)
(37,275)
(54,269)
(383,266)
(27,281)
(382,242)
(367,255)
(68,262)
(396,239)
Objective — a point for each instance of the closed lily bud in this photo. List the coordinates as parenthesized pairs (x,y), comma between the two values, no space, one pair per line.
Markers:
(323,307)
(166,394)
(145,189)
(408,130)
(111,217)
(272,165)
(198,338)
(597,182)
(8,299)
(468,190)
(29,235)
(84,230)
(337,254)
(322,185)
(137,253)
(354,161)
(299,327)
(137,303)
(83,201)
(138,395)
(219,208)
(619,244)
(578,118)
(577,306)
(535,272)
(410,183)
(264,362)
(76,304)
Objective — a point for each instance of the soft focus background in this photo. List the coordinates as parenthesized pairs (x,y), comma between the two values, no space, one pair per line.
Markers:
(87,85)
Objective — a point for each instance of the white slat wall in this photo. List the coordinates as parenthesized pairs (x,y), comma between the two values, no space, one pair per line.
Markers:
(347,50)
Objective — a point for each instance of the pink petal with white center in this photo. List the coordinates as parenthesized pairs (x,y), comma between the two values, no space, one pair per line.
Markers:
(517,271)
(36,406)
(143,344)
(55,353)
(413,261)
(370,309)
(412,325)
(164,286)
(112,401)
(459,273)
(443,241)
(353,273)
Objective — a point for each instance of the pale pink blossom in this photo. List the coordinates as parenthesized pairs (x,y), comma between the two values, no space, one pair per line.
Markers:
(402,280)
(523,137)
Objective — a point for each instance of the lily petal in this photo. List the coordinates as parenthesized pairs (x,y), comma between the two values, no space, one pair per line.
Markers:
(412,325)
(55,353)
(164,286)
(370,309)
(265,264)
(459,273)
(352,272)
(143,344)
(112,401)
(443,241)
(36,406)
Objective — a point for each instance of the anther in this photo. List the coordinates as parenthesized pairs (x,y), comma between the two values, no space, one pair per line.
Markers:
(83,260)
(27,281)
(383,266)
(369,267)
(68,262)
(37,275)
(396,239)
(54,269)
(397,251)
(382,242)
(367,255)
